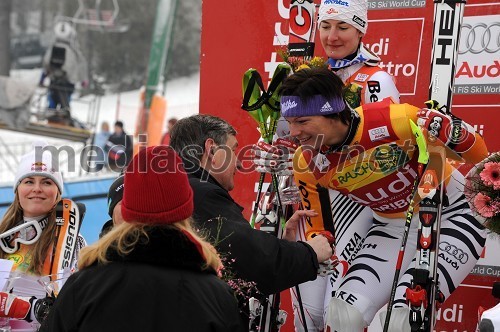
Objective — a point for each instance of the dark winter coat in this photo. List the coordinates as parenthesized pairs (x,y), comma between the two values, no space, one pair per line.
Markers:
(159,286)
(119,147)
(272,263)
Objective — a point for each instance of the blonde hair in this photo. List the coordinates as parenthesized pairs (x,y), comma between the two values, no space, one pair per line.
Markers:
(125,236)
(40,249)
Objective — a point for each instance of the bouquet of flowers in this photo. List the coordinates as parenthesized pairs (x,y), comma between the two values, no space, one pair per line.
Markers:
(298,63)
(482,189)
(351,93)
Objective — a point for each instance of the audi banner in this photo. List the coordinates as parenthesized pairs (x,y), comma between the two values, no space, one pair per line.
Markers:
(238,35)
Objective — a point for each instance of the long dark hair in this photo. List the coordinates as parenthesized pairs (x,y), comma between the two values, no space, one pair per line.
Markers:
(40,249)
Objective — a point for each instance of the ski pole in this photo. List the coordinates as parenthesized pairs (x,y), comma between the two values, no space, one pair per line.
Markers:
(301,308)
(448,15)
(423,159)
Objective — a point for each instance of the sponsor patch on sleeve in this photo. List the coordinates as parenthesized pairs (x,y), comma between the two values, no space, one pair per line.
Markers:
(360,77)
(376,134)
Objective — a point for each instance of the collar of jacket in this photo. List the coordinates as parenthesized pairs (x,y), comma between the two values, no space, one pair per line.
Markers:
(363,55)
(166,247)
(353,128)
(204,175)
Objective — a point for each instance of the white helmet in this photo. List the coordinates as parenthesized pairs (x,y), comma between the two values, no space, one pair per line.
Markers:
(64,31)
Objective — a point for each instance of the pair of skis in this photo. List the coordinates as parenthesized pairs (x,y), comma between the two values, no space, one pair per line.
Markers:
(263,105)
(424,295)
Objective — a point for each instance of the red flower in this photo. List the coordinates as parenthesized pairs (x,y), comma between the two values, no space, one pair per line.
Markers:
(485,206)
(491,175)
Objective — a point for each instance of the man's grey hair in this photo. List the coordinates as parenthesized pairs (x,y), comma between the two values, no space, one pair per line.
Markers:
(189,135)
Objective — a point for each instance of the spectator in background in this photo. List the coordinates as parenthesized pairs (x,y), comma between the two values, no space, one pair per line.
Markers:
(119,148)
(65,66)
(100,140)
(115,196)
(489,320)
(166,137)
(152,272)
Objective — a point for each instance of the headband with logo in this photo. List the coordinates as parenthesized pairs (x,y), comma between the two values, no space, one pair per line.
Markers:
(317,105)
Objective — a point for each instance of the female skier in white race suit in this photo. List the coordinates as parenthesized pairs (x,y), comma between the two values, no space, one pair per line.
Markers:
(342,24)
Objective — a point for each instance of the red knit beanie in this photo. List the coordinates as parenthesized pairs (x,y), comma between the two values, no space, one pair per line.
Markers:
(157,189)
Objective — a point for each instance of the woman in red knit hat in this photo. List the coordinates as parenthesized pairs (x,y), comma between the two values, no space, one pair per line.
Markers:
(152,272)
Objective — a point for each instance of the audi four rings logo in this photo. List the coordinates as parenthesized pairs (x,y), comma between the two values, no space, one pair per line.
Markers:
(480,37)
(461,256)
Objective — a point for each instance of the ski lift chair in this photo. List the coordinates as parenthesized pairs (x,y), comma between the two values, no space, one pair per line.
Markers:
(98,19)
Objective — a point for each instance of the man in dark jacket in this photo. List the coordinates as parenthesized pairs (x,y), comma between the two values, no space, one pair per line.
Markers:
(208,144)
(119,148)
(152,272)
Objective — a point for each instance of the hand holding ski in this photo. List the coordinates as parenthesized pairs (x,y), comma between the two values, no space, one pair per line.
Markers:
(452,131)
(275,159)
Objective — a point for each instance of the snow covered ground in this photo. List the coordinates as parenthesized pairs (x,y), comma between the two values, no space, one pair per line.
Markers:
(182,100)
(182,96)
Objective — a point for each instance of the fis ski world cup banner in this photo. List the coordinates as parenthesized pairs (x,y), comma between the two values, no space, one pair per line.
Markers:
(238,35)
